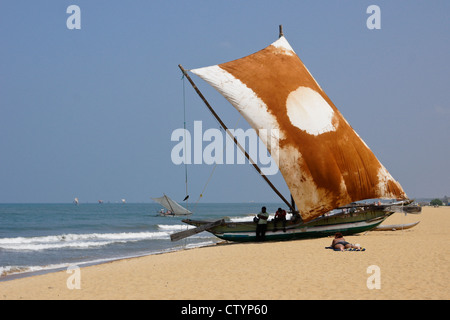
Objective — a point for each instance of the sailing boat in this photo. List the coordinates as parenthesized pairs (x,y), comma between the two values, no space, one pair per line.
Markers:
(174,209)
(324,162)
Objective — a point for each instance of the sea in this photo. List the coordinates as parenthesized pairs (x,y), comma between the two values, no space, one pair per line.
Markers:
(40,238)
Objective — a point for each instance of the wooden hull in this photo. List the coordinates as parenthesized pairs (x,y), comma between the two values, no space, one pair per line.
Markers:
(347,224)
(395,227)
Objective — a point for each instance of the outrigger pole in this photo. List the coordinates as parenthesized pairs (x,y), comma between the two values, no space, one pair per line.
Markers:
(234,139)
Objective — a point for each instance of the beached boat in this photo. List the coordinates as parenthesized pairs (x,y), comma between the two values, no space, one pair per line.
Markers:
(396,227)
(324,162)
(348,220)
(173,208)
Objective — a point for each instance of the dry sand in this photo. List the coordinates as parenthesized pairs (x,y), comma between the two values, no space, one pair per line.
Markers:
(413,264)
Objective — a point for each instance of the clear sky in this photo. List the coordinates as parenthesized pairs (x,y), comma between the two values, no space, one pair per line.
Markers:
(89,113)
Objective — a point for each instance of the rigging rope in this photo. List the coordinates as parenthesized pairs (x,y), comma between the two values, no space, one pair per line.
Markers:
(185,160)
(212,172)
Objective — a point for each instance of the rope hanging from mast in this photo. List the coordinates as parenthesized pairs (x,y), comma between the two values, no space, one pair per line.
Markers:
(184,125)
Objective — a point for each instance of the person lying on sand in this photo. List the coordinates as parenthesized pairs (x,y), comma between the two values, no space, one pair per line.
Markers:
(339,243)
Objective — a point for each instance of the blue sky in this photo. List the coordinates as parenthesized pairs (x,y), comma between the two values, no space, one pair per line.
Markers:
(89,113)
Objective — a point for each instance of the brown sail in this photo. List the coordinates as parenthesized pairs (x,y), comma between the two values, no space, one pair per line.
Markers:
(322,159)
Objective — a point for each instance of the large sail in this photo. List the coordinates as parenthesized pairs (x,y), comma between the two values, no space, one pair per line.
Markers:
(322,159)
(171,205)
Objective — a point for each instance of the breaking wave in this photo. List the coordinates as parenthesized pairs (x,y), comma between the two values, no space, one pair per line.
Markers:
(90,240)
(77,240)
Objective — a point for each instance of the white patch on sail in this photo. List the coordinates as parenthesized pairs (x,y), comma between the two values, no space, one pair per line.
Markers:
(384,176)
(284,45)
(308,111)
(244,99)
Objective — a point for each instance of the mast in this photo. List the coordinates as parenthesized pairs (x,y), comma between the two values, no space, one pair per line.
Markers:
(293,203)
(234,138)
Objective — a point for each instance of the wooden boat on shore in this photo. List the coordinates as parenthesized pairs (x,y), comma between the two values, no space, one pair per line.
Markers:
(324,162)
(351,220)
(396,227)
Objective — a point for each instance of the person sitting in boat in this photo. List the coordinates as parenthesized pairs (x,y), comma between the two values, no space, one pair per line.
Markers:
(261,227)
(339,243)
(280,215)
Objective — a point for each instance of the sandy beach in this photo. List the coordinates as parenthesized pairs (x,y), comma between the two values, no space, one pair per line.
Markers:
(409,264)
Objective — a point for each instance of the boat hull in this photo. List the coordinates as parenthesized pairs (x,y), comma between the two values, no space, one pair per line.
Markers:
(396,227)
(347,224)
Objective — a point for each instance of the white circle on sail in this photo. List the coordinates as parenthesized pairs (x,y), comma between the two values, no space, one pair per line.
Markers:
(308,111)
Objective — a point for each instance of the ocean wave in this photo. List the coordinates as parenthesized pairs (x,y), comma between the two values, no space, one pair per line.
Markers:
(13,270)
(199,244)
(249,218)
(10,270)
(174,227)
(90,240)
(242,219)
(80,241)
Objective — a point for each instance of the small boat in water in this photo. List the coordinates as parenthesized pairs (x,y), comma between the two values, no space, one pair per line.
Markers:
(172,207)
